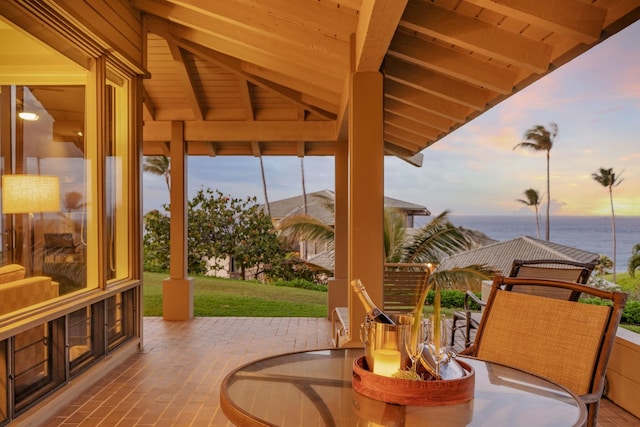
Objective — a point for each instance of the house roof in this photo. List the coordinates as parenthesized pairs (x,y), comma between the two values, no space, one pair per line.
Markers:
(502,254)
(317,206)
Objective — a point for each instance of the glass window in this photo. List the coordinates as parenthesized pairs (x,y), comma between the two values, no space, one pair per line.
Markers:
(116,174)
(43,190)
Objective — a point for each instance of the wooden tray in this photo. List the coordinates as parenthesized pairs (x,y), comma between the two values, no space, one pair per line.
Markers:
(408,392)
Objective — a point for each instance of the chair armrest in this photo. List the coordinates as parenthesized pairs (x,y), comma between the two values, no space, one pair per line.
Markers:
(470,295)
(469,351)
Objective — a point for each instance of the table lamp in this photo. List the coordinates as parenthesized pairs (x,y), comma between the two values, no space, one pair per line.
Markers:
(29,194)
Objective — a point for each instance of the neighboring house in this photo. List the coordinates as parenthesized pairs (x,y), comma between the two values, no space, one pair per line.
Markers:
(502,254)
(320,206)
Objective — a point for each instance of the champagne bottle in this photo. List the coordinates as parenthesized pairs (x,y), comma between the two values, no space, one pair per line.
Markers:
(374,314)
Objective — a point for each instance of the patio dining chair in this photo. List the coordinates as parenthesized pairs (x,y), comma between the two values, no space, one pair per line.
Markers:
(468,319)
(402,285)
(568,342)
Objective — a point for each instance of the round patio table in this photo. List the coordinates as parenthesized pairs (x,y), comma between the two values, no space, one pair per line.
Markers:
(313,388)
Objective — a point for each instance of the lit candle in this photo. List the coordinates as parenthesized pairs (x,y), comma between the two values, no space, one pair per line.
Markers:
(386,362)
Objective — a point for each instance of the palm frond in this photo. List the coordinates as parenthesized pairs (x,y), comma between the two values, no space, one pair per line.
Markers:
(306,227)
(462,277)
(394,234)
(435,240)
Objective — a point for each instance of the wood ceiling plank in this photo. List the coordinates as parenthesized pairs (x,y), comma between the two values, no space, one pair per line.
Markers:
(403,154)
(425,101)
(328,95)
(235,66)
(265,38)
(405,110)
(571,18)
(404,134)
(410,125)
(437,84)
(317,70)
(477,36)
(452,63)
(410,146)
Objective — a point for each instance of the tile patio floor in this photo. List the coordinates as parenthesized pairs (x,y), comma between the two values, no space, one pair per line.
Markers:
(176,380)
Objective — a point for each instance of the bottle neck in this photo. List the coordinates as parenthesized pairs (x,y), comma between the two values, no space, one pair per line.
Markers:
(364,297)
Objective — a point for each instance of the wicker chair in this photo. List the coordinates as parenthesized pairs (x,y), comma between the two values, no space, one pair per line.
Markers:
(554,269)
(568,342)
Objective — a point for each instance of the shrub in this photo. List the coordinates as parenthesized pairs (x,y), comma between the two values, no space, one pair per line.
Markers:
(451,298)
(631,313)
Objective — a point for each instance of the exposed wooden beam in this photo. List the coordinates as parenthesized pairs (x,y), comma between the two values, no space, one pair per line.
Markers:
(245,96)
(376,24)
(255,149)
(426,101)
(572,18)
(166,148)
(437,84)
(186,75)
(236,66)
(212,149)
(403,154)
(260,49)
(482,37)
(328,98)
(455,64)
(244,131)
(301,148)
(148,107)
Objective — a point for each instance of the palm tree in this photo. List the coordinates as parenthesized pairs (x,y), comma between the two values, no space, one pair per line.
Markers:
(532,199)
(538,138)
(607,178)
(634,261)
(264,187)
(604,265)
(159,165)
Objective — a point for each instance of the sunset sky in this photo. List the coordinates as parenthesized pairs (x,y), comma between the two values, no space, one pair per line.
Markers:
(594,99)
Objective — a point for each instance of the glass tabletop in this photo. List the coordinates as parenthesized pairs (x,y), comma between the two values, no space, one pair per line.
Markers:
(313,388)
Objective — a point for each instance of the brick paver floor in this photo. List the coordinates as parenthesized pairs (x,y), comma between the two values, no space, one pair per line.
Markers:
(176,380)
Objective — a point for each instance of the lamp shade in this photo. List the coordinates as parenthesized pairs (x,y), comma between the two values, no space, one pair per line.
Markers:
(30,194)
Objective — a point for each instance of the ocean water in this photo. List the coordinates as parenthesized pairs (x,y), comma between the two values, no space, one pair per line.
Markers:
(589,233)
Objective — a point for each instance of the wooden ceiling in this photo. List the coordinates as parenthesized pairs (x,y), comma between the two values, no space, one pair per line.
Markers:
(271,77)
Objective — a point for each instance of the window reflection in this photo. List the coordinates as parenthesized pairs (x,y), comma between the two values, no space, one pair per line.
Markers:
(43,248)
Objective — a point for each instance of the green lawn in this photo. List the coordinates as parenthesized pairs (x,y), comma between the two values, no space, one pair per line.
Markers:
(226,297)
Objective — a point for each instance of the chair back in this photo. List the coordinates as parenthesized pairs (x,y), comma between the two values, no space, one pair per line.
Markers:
(568,342)
(403,283)
(59,243)
(553,269)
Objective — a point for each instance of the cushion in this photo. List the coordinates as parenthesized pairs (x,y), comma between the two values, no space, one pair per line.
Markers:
(11,272)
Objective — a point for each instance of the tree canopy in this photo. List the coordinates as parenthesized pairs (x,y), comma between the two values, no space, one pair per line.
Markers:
(220,227)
